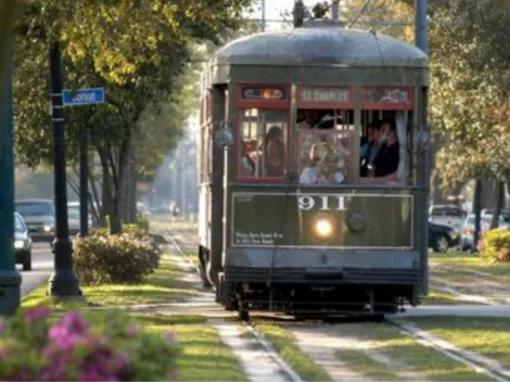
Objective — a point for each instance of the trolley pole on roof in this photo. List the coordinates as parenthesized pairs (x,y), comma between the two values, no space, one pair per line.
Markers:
(420,7)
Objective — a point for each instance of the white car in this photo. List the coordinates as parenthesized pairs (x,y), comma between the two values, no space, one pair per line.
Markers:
(450,215)
(468,228)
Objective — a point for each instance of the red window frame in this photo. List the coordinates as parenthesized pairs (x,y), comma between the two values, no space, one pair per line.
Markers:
(397,106)
(269,104)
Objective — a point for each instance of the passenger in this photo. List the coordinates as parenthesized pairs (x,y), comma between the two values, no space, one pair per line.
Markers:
(246,164)
(309,119)
(325,167)
(369,150)
(274,152)
(387,158)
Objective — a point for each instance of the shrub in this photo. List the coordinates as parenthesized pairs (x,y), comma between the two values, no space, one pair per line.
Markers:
(74,347)
(495,245)
(102,258)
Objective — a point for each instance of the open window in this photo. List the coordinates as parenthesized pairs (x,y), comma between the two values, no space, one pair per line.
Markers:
(385,144)
(263,133)
(325,128)
(263,144)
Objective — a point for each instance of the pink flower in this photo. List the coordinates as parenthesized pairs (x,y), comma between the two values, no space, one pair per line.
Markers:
(2,326)
(36,314)
(71,329)
(132,330)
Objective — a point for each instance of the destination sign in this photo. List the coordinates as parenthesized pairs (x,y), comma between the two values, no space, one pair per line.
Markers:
(388,97)
(325,94)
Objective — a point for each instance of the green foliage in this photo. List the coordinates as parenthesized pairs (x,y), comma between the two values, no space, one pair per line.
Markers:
(469,95)
(99,346)
(101,258)
(495,246)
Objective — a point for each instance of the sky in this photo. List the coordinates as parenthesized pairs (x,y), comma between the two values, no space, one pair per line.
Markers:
(274,9)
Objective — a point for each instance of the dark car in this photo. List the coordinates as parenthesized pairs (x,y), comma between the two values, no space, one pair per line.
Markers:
(39,216)
(22,243)
(442,237)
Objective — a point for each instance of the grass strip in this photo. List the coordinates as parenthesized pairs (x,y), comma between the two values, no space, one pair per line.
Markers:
(406,354)
(487,336)
(469,262)
(361,363)
(202,355)
(285,344)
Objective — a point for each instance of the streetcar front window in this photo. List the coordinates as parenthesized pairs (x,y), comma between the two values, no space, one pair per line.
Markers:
(384,146)
(325,146)
(262,149)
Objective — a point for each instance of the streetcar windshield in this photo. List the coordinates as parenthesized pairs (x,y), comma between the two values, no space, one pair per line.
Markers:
(263,143)
(325,146)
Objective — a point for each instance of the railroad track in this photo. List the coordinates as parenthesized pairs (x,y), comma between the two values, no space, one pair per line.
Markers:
(479,363)
(280,366)
(473,360)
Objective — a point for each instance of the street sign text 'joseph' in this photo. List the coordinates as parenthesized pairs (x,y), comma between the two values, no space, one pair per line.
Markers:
(83,97)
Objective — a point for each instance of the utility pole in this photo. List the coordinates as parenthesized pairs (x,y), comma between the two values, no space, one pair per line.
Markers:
(10,279)
(263,18)
(335,10)
(421,41)
(63,281)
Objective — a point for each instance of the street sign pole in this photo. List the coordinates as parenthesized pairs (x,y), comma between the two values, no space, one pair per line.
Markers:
(10,280)
(63,282)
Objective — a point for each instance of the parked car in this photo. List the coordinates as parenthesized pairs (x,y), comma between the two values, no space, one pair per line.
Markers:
(22,243)
(442,237)
(73,217)
(468,228)
(39,216)
(448,215)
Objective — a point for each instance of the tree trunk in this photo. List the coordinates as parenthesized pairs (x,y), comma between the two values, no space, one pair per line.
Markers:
(500,201)
(477,209)
(118,182)
(106,196)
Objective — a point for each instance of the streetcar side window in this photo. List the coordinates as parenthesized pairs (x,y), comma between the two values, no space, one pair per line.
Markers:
(262,149)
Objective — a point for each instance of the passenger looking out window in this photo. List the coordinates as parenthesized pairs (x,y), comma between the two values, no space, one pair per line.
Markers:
(380,156)
(262,145)
(324,157)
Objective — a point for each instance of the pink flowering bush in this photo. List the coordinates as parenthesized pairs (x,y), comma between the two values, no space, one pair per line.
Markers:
(34,346)
(103,258)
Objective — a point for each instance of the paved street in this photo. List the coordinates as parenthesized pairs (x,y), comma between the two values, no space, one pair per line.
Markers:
(42,266)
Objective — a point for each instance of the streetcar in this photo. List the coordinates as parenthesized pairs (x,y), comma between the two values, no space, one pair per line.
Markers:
(313,172)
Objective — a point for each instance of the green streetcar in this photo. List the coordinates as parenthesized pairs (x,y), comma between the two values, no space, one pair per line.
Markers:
(314,172)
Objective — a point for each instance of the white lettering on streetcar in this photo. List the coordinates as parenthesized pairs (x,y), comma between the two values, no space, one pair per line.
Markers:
(324,202)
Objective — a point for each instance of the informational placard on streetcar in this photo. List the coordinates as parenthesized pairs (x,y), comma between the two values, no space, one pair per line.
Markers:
(322,219)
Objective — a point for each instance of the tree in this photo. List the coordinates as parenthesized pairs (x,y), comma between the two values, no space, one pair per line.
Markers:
(136,49)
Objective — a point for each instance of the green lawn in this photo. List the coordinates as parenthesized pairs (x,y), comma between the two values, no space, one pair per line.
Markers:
(488,336)
(460,263)
(202,355)
(284,343)
(406,354)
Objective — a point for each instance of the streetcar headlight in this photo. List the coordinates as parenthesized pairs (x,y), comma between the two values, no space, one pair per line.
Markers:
(19,244)
(324,228)
(47,228)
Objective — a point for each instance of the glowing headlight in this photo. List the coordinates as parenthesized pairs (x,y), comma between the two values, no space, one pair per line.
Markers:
(47,228)
(19,244)
(323,228)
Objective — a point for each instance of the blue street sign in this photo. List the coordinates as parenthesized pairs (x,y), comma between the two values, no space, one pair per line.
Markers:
(83,97)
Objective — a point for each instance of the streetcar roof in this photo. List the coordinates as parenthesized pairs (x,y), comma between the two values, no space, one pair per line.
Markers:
(321,46)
